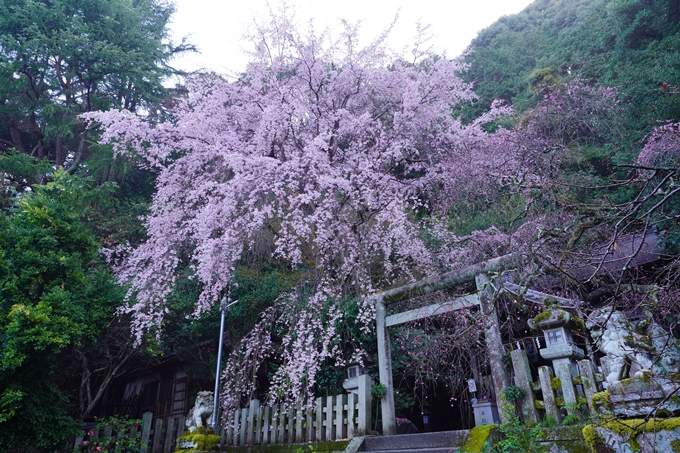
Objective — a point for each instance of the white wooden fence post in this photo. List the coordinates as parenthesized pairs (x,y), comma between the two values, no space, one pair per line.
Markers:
(340,429)
(258,426)
(266,426)
(298,425)
(289,426)
(319,420)
(157,436)
(243,427)
(169,431)
(330,432)
(250,429)
(281,437)
(146,429)
(237,413)
(351,409)
(309,429)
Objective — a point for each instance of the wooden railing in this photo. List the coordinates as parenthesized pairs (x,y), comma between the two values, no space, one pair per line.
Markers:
(332,418)
(159,435)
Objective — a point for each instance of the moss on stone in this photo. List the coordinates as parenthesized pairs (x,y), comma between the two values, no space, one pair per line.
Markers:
(675,445)
(565,438)
(556,383)
(602,398)
(591,437)
(542,316)
(201,441)
(629,430)
(578,323)
(478,437)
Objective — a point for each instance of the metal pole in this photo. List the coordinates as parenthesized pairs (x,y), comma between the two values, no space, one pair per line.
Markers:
(223,309)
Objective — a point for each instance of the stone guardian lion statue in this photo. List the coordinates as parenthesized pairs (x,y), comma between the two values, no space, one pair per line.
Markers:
(639,345)
(202,412)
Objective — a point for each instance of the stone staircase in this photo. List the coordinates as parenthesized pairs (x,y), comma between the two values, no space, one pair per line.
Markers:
(441,442)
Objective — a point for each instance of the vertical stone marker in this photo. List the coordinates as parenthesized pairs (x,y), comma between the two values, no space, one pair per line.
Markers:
(523,377)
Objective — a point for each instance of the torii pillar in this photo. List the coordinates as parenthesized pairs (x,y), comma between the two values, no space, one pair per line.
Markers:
(493,339)
(389,417)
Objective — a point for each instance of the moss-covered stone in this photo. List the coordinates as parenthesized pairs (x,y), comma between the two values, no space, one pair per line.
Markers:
(628,430)
(556,383)
(479,435)
(201,440)
(542,316)
(592,438)
(675,445)
(565,438)
(577,323)
(603,399)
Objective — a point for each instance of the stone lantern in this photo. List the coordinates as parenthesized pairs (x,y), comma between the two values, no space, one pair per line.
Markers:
(560,348)
(354,373)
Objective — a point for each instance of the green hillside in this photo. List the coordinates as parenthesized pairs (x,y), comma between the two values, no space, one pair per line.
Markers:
(631,45)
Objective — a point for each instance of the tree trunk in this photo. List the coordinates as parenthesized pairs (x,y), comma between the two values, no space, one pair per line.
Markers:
(14,133)
(114,369)
(58,151)
(79,154)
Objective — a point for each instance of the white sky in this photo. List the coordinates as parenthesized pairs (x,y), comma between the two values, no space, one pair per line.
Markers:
(217,26)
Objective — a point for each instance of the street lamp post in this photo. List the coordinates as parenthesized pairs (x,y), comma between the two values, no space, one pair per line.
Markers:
(223,308)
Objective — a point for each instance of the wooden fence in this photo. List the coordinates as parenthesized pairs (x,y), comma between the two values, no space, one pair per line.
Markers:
(332,418)
(552,396)
(159,435)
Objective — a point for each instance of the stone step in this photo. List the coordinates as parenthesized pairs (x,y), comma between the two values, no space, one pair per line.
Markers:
(424,450)
(422,441)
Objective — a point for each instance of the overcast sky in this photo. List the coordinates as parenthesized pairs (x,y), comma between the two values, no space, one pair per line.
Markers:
(217,26)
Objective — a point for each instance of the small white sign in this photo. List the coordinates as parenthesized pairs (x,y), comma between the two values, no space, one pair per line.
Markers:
(472,386)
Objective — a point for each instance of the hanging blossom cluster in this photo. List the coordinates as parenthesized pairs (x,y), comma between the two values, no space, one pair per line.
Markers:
(307,328)
(322,148)
(662,147)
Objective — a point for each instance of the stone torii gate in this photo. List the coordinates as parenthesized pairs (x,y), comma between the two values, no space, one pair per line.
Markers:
(484,298)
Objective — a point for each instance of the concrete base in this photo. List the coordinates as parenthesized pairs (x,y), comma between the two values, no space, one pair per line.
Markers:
(486,413)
